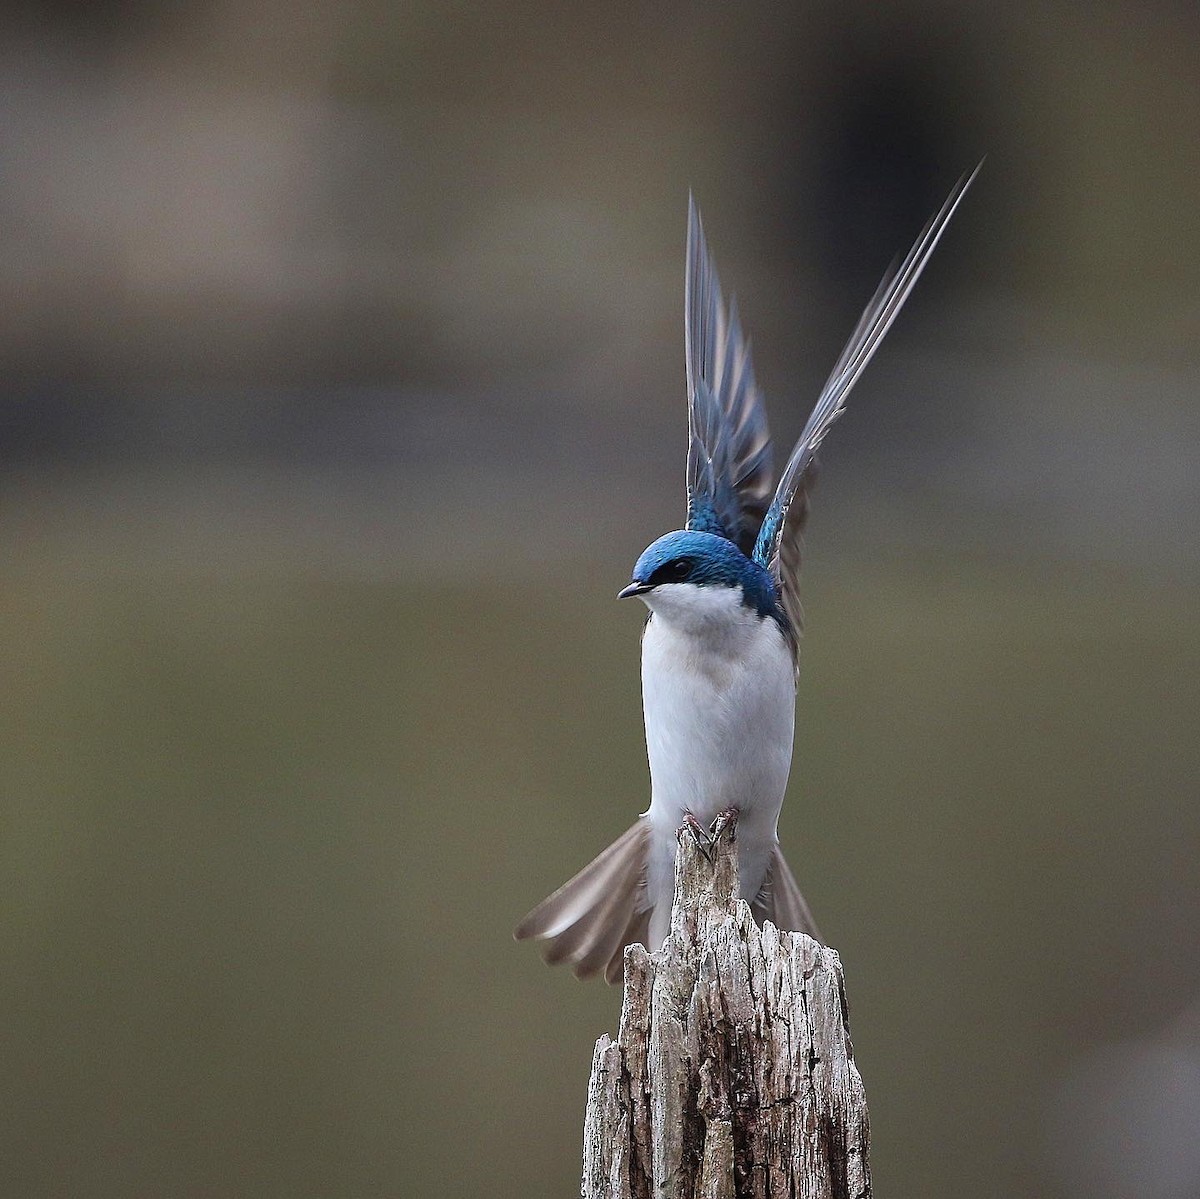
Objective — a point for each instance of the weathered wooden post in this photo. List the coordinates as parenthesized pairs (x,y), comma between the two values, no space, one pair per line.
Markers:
(732,1074)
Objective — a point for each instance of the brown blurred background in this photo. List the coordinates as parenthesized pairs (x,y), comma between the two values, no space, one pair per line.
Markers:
(341,385)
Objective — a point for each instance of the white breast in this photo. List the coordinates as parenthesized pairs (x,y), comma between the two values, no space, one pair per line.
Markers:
(718,691)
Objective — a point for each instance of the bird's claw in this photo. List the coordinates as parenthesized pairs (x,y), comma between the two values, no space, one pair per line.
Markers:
(701,837)
(725,819)
(705,839)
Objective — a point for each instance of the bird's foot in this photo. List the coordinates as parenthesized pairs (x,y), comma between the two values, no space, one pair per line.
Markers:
(705,839)
(726,819)
(701,837)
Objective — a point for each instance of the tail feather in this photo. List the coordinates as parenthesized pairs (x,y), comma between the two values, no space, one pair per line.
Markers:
(603,940)
(590,919)
(781,902)
(636,933)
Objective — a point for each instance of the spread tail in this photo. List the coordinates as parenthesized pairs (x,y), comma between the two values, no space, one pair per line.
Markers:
(780,900)
(589,920)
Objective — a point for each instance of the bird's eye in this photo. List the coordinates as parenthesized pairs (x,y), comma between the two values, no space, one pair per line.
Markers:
(677,570)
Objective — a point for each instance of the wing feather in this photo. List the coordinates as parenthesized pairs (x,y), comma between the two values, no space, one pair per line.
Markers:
(778,545)
(729,446)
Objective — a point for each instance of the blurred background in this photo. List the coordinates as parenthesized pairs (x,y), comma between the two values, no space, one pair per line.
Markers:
(341,383)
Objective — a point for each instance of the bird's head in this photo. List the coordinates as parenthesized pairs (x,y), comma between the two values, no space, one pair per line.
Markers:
(692,573)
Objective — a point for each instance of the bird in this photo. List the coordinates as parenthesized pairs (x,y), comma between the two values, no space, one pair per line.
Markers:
(721,643)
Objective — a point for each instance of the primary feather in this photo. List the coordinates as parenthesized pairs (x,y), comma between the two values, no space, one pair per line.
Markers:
(729,468)
(778,544)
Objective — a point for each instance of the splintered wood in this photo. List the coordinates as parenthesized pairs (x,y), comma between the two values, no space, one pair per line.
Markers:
(732,1074)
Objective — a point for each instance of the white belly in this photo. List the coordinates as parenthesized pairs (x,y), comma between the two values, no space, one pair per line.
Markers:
(719,702)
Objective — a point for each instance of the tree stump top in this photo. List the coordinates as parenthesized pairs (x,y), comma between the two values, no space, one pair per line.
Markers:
(732,1074)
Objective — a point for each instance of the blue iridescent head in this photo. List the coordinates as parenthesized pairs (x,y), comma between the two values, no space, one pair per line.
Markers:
(705,560)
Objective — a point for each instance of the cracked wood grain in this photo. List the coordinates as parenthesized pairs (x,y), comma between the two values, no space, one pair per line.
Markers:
(732,1075)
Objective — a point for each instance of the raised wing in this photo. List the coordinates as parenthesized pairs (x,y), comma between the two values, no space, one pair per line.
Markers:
(778,544)
(729,448)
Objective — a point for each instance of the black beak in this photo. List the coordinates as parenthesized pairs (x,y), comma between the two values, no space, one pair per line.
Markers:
(634,588)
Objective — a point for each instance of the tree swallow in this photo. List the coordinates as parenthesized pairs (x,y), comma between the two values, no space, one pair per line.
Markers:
(720,649)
